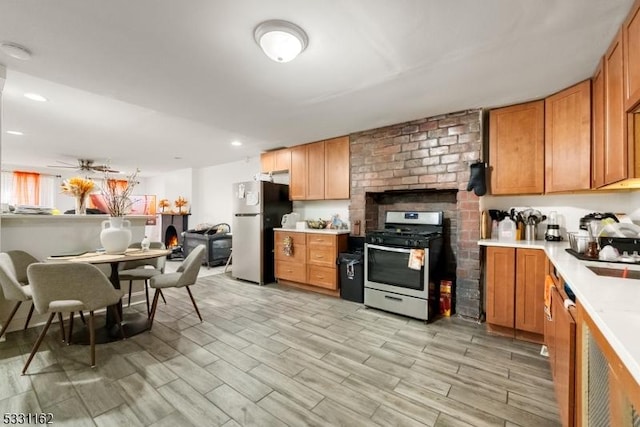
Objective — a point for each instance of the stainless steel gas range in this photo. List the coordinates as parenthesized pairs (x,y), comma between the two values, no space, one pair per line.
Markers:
(400,261)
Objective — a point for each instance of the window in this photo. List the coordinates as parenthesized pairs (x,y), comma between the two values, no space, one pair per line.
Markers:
(27,188)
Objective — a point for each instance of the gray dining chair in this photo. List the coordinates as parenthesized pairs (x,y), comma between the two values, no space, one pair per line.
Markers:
(14,282)
(143,269)
(66,287)
(185,276)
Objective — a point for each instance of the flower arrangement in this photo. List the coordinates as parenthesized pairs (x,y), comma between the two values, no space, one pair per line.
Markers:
(116,193)
(180,203)
(163,204)
(79,188)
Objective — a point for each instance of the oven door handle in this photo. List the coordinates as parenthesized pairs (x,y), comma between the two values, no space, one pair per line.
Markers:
(389,249)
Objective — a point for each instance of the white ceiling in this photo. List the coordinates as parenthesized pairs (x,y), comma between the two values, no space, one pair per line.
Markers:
(139,83)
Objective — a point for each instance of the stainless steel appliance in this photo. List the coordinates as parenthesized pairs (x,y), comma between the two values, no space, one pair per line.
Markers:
(258,207)
(390,283)
(553,228)
(595,216)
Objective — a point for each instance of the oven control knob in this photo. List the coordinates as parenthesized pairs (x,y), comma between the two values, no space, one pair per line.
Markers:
(409,243)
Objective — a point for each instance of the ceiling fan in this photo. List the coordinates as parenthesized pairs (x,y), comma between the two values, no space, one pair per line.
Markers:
(86,165)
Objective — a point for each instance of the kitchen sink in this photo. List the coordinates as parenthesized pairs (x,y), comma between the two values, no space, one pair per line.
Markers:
(615,272)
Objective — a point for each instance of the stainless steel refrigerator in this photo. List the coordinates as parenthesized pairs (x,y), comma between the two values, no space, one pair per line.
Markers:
(258,207)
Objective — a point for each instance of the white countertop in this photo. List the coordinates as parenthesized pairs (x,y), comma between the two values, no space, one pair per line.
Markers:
(63,217)
(612,303)
(314,230)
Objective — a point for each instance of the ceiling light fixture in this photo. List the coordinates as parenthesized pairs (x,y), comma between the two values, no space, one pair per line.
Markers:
(35,97)
(236,143)
(280,40)
(15,132)
(15,51)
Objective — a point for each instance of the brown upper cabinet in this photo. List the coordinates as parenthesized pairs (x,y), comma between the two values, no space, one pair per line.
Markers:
(598,152)
(542,146)
(516,149)
(567,139)
(320,170)
(336,168)
(615,141)
(298,173)
(631,55)
(315,171)
(275,161)
(610,147)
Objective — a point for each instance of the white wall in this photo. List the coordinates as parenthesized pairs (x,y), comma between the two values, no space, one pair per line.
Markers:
(570,207)
(172,185)
(322,209)
(208,190)
(212,189)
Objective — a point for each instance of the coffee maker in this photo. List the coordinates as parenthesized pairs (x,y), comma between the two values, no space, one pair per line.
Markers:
(553,229)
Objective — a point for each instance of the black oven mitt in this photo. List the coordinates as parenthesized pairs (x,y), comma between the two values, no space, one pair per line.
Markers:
(477,179)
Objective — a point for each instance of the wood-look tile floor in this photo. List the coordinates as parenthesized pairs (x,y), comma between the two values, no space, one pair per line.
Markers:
(274,356)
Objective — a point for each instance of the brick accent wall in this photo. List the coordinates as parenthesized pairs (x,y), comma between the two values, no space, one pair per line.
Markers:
(424,157)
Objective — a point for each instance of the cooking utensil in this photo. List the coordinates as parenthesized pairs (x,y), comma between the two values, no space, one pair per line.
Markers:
(533,216)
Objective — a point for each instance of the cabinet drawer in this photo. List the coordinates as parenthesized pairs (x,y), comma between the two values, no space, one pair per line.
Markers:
(317,239)
(321,255)
(299,248)
(324,277)
(299,238)
(299,253)
(291,271)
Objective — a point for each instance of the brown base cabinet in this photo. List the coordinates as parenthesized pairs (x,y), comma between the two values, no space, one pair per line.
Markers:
(606,392)
(515,292)
(560,339)
(313,258)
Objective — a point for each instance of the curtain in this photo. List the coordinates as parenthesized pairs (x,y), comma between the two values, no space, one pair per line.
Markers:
(9,195)
(26,188)
(119,184)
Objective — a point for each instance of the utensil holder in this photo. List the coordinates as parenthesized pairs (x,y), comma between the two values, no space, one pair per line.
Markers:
(530,232)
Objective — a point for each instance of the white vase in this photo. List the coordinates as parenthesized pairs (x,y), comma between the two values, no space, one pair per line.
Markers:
(115,235)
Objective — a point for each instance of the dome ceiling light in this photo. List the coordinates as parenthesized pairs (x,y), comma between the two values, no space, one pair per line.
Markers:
(280,40)
(15,51)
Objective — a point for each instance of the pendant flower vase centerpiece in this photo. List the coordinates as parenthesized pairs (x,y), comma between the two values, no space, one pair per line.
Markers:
(79,188)
(116,231)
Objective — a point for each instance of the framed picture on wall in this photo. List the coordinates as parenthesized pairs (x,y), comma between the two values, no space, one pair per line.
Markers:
(140,205)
